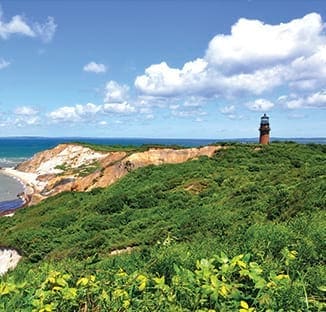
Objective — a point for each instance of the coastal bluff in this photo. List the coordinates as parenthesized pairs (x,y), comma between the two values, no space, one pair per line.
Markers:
(75,167)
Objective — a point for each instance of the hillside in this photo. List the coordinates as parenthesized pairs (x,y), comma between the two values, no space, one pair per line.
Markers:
(256,214)
(83,167)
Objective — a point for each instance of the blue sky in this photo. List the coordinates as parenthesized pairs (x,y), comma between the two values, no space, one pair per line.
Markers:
(169,69)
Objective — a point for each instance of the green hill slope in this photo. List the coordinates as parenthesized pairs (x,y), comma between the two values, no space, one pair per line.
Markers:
(264,201)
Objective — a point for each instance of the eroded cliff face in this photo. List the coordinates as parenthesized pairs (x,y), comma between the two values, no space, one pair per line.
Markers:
(72,167)
(54,161)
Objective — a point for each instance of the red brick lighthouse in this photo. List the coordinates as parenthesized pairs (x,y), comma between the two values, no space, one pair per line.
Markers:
(264,130)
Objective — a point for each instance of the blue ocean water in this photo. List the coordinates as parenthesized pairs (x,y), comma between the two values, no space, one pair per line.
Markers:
(14,150)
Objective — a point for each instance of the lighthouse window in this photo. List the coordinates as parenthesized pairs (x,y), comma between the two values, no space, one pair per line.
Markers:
(264,120)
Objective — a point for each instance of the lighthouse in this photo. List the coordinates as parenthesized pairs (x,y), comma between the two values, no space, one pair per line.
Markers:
(264,130)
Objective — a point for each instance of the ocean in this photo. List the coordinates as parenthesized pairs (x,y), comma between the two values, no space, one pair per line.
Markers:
(14,150)
(9,188)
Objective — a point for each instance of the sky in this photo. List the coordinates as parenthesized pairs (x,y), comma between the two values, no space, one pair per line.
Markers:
(162,69)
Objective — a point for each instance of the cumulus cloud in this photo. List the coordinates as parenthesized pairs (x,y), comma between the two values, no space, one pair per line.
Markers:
(26,111)
(186,111)
(254,58)
(64,114)
(308,72)
(317,99)
(114,103)
(118,108)
(229,109)
(24,116)
(162,80)
(115,92)
(253,44)
(74,113)
(260,105)
(193,101)
(31,121)
(89,112)
(18,25)
(230,112)
(313,100)
(4,63)
(93,67)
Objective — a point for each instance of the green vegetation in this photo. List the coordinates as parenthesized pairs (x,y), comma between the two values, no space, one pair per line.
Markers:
(244,230)
(63,167)
(81,171)
(129,149)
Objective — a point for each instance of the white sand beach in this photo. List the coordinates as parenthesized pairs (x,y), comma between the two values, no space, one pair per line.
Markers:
(29,180)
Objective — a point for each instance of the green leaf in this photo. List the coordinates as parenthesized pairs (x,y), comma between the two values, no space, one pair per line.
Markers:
(142,279)
(82,281)
(223,258)
(69,293)
(5,289)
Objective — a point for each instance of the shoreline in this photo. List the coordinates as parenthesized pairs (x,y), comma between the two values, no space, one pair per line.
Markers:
(28,183)
(27,180)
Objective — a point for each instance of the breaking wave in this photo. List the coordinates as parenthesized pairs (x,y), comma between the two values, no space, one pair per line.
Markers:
(12,161)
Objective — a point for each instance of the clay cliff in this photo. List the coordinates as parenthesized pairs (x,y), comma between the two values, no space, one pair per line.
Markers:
(73,167)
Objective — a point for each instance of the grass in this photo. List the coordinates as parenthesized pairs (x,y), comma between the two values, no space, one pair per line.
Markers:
(243,200)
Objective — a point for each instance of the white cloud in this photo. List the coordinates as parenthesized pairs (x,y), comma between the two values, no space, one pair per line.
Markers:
(230,112)
(95,68)
(260,105)
(4,63)
(32,121)
(174,106)
(24,116)
(23,121)
(26,111)
(253,44)
(74,113)
(296,116)
(308,72)
(65,114)
(254,58)
(145,110)
(150,102)
(317,99)
(149,116)
(89,112)
(186,111)
(313,100)
(193,101)
(119,108)
(115,93)
(47,30)
(162,80)
(226,110)
(19,26)
(115,103)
